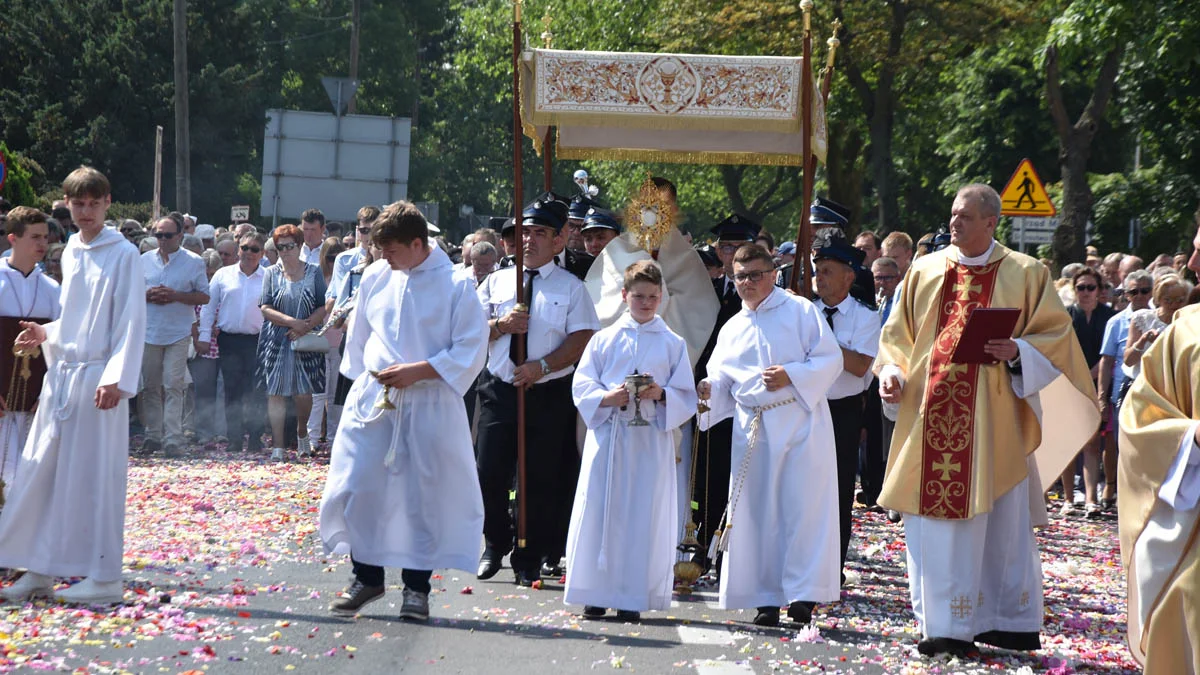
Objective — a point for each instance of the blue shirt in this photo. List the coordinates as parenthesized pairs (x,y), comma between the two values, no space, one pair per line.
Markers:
(1115,335)
(345,261)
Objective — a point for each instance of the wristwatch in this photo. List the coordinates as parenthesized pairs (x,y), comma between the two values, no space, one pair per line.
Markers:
(545,367)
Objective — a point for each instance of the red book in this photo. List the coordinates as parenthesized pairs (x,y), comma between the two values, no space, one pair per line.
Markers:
(984,323)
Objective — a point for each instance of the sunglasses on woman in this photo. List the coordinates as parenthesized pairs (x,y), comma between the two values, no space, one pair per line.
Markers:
(286,247)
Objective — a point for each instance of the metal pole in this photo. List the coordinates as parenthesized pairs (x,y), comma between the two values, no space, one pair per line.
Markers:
(337,133)
(518,200)
(355,25)
(803,233)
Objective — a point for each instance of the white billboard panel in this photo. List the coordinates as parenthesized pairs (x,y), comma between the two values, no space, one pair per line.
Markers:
(336,164)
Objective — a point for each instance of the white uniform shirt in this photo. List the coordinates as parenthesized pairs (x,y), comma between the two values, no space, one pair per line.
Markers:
(856,328)
(345,261)
(560,306)
(183,272)
(32,296)
(312,256)
(234,299)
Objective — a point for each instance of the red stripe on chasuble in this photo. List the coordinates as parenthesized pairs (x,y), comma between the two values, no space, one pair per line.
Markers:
(948,431)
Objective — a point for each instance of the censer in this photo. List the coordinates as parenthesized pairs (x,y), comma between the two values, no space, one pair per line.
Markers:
(687,570)
(385,396)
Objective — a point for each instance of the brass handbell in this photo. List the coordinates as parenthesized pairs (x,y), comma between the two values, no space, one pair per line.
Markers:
(385,397)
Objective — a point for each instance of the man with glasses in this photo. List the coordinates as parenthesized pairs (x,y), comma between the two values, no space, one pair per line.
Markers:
(769,374)
(712,464)
(348,260)
(176,281)
(233,317)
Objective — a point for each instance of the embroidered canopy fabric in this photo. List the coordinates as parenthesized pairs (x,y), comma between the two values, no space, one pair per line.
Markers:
(668,107)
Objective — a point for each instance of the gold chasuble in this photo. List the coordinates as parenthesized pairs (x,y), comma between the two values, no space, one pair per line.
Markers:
(1159,545)
(962,434)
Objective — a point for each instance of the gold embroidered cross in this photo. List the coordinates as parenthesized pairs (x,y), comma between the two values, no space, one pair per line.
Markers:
(965,287)
(961,607)
(946,466)
(979,602)
(1025,599)
(953,370)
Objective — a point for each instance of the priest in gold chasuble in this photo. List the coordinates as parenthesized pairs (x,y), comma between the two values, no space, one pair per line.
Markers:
(969,453)
(1159,499)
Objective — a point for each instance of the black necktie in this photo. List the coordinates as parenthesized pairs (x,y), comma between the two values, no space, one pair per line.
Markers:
(527,300)
(829,312)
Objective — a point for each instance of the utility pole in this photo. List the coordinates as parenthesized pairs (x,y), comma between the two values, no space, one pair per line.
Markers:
(355,26)
(183,151)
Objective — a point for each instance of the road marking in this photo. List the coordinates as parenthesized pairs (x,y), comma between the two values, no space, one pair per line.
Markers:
(698,635)
(709,600)
(709,667)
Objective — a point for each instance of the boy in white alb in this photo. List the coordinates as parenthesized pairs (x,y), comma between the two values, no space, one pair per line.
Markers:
(66,516)
(25,295)
(621,542)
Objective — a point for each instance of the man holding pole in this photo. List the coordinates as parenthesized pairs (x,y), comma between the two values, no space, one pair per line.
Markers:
(555,319)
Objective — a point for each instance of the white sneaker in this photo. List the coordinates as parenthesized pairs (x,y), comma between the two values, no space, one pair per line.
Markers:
(277,455)
(1068,508)
(30,585)
(88,592)
(304,446)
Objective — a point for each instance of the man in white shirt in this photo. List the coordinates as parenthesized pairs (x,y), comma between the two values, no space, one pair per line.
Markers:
(556,322)
(312,227)
(857,329)
(176,281)
(233,317)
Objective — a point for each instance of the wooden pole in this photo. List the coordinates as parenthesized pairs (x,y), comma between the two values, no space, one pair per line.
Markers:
(183,152)
(547,161)
(826,84)
(355,27)
(518,235)
(803,233)
(157,173)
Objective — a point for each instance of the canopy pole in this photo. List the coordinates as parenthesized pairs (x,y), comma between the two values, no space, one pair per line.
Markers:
(827,82)
(804,233)
(547,162)
(518,202)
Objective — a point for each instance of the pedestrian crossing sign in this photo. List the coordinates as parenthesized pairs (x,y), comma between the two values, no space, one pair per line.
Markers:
(1025,195)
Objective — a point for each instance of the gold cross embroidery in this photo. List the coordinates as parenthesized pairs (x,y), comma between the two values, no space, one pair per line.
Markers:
(966,288)
(979,602)
(953,370)
(961,607)
(1025,599)
(946,466)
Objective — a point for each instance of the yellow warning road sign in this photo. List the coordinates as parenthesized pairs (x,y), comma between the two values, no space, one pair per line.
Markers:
(1025,195)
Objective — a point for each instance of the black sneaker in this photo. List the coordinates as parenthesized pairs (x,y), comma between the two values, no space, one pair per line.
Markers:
(593,612)
(355,597)
(415,606)
(629,616)
(767,616)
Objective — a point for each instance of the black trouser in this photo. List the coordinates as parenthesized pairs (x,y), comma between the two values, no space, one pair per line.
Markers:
(873,459)
(245,406)
(549,431)
(847,416)
(711,491)
(204,377)
(372,575)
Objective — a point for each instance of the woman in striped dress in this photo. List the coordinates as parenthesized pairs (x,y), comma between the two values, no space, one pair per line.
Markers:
(293,296)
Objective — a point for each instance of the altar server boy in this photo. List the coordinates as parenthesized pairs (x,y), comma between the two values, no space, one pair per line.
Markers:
(621,542)
(771,370)
(402,489)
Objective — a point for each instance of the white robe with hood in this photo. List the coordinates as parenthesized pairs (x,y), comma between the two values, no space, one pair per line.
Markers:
(624,525)
(403,490)
(784,545)
(66,516)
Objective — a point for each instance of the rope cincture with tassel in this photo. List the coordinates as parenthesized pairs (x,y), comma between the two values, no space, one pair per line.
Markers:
(720,542)
(18,388)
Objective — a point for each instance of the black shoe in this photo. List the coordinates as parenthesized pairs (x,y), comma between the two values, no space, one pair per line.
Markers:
(593,612)
(415,605)
(553,571)
(951,646)
(801,611)
(1016,641)
(150,447)
(629,616)
(527,577)
(893,516)
(767,616)
(489,564)
(354,598)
